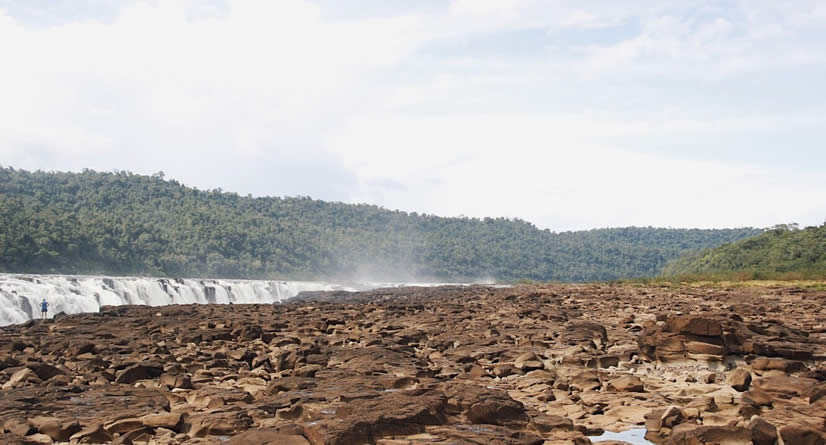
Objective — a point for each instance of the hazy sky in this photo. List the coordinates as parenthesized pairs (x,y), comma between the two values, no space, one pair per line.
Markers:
(568,114)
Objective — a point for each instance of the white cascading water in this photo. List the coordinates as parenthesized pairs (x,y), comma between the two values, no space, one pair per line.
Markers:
(20,295)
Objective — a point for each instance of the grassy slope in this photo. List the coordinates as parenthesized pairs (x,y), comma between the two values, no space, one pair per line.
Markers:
(780,253)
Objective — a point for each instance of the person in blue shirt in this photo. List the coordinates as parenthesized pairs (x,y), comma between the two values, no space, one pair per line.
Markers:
(44,307)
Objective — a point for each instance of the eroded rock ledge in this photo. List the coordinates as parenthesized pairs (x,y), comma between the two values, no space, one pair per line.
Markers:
(451,365)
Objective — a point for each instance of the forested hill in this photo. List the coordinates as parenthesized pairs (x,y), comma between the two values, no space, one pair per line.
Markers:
(781,252)
(122,223)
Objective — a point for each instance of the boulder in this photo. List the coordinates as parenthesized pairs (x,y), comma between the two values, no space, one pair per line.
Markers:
(762,432)
(18,426)
(587,333)
(169,421)
(53,427)
(20,378)
(44,371)
(801,435)
(694,325)
(817,393)
(498,411)
(93,433)
(123,425)
(785,386)
(776,364)
(586,381)
(143,371)
(739,379)
(528,361)
(627,383)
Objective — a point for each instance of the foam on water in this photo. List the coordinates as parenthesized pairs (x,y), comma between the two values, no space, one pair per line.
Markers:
(20,295)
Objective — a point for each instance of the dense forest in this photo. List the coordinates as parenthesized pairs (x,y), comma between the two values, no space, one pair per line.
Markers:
(127,224)
(784,251)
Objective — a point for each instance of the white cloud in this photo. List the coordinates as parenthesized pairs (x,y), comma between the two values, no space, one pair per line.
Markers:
(553,170)
(275,98)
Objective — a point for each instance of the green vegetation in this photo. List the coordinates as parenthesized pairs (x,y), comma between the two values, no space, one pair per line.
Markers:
(782,253)
(122,223)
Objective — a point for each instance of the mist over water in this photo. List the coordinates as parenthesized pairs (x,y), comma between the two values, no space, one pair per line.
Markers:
(20,295)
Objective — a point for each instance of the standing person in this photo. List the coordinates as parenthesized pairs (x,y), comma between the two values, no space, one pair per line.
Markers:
(44,307)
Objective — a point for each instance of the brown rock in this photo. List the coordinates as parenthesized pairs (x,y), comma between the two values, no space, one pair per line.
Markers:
(176,381)
(817,393)
(739,379)
(268,437)
(528,361)
(547,423)
(493,434)
(801,435)
(687,434)
(139,372)
(762,432)
(671,417)
(169,421)
(408,366)
(18,426)
(123,426)
(628,383)
(143,433)
(776,364)
(20,377)
(695,325)
(785,386)
(586,381)
(588,333)
(505,412)
(44,371)
(94,433)
(53,427)
(758,397)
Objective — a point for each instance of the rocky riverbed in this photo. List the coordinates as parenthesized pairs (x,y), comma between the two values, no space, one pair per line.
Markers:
(449,365)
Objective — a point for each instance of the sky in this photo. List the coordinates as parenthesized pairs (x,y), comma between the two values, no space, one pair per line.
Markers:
(571,115)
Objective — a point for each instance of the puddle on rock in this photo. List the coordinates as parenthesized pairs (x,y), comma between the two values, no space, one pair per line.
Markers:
(635,436)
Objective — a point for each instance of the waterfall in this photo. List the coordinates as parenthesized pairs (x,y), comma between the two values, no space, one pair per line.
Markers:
(20,295)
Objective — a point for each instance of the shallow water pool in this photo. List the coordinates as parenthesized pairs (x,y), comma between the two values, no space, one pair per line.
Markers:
(634,436)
